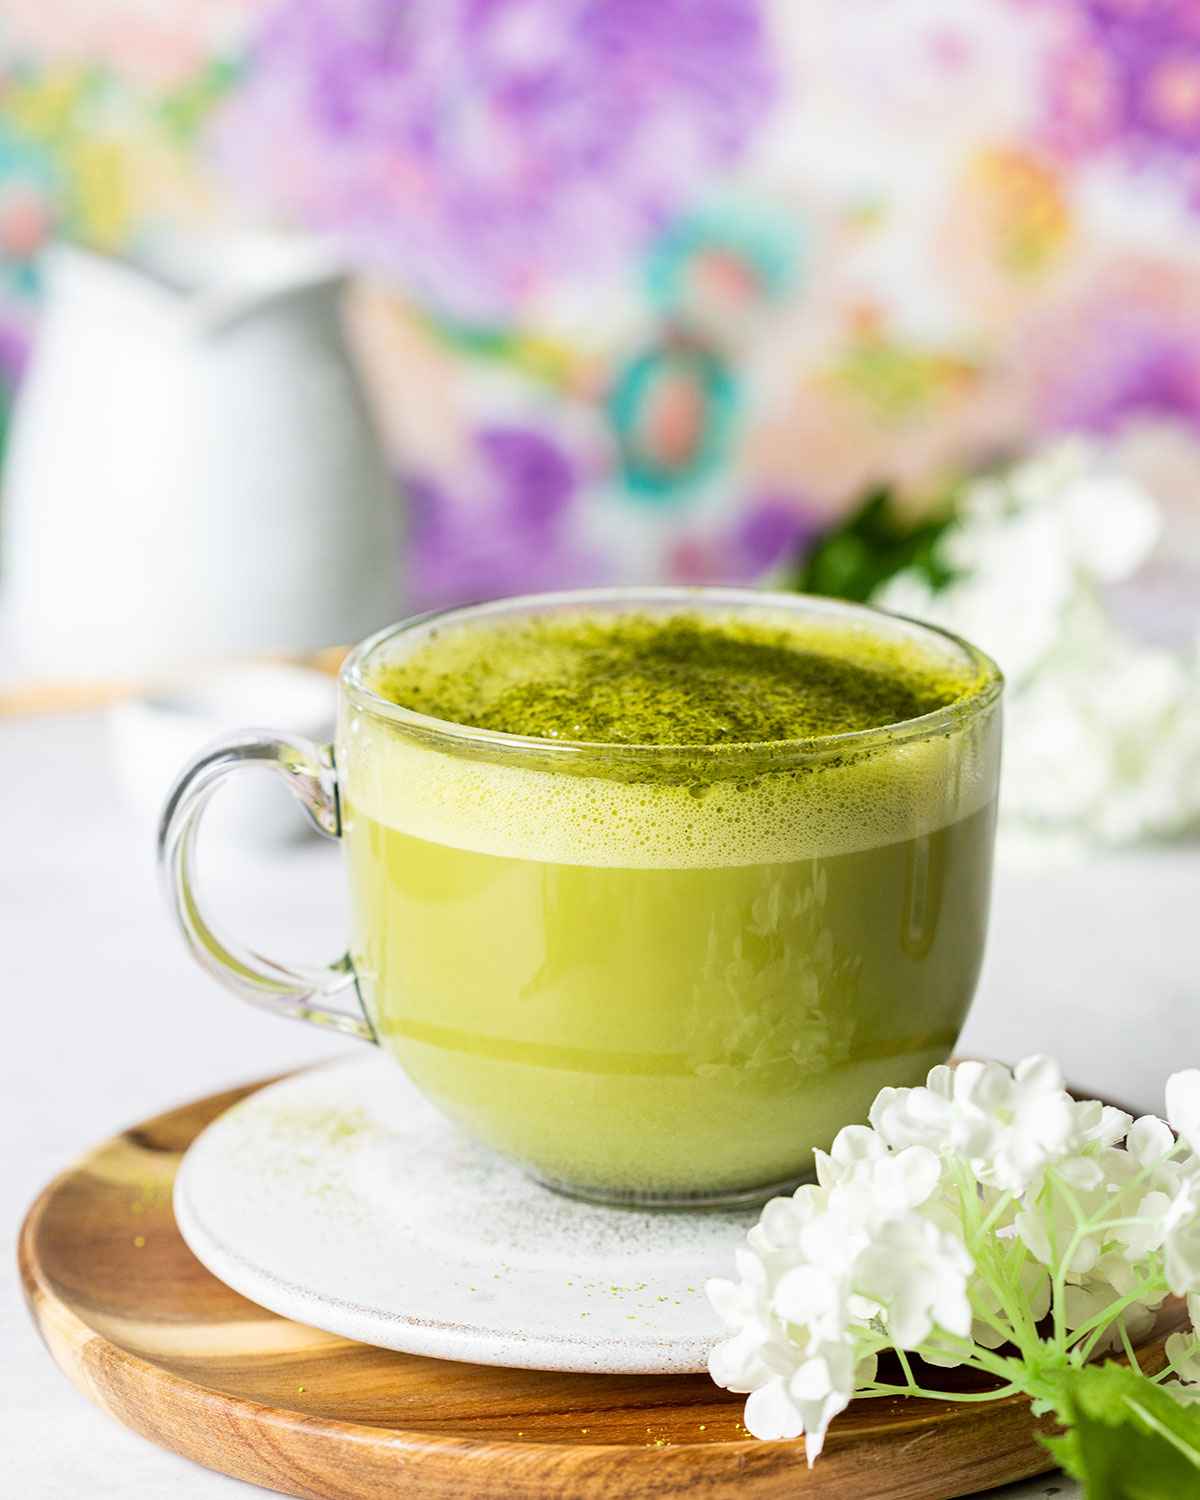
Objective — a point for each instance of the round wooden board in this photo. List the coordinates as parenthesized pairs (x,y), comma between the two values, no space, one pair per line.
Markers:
(144,1330)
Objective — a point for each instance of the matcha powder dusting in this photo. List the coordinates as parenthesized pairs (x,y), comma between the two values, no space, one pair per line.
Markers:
(676,680)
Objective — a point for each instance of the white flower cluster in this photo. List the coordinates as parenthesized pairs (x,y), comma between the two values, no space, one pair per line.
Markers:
(985,1211)
(1032,552)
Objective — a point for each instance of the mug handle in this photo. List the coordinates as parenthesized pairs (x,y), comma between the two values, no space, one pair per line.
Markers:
(308,772)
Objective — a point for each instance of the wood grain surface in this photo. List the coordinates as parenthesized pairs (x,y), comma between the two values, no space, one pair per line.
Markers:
(143,1329)
(30,697)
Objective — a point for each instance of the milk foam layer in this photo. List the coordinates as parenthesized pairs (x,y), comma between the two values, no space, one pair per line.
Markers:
(520,813)
(509,805)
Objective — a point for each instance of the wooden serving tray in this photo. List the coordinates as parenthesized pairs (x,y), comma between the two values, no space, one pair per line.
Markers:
(147,1333)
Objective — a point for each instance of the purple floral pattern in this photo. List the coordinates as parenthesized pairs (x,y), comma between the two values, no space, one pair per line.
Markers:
(661,289)
(1126,77)
(480,150)
(1134,367)
(513,537)
(14,351)
(768,533)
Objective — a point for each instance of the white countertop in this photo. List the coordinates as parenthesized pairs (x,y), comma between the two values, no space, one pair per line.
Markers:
(108,1021)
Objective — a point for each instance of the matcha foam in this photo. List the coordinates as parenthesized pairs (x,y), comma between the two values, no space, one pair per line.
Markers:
(681,679)
(705,684)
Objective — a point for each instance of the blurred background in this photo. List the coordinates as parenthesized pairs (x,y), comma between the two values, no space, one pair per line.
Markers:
(637,290)
(314,313)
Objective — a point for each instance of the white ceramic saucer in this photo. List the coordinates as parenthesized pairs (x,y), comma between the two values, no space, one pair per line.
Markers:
(341,1199)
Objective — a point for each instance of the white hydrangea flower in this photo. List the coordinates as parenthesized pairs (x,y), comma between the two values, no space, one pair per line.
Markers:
(1127,723)
(806,1401)
(1181,1244)
(758,1348)
(983,1186)
(829,1276)
(1183,1106)
(1008,1124)
(1032,552)
(1031,1116)
(980,603)
(1110,524)
(1097,1124)
(1034,1282)
(1149,1139)
(1087,1301)
(790,1348)
(1137,1241)
(1183,1352)
(1124,1275)
(1047,728)
(889,1183)
(932,1116)
(918,1275)
(1045,1225)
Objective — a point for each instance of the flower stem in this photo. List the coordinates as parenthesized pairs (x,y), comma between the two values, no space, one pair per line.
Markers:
(1004,1282)
(1007,1333)
(1062,1262)
(906,1367)
(875,1389)
(1093,1330)
(999,1208)
(1127,1346)
(978,1358)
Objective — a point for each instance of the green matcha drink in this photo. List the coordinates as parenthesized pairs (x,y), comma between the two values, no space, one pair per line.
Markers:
(693,877)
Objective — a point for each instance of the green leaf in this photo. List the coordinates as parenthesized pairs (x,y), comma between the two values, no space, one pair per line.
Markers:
(1127,1438)
(870,546)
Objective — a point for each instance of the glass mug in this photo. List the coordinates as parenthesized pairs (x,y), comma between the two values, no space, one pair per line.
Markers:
(648,974)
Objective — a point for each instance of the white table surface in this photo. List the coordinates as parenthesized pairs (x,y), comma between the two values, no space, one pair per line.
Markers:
(107,1021)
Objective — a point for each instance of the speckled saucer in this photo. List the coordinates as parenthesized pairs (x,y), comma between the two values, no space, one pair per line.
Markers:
(341,1199)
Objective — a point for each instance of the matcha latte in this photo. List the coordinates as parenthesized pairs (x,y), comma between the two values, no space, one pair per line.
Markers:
(653,890)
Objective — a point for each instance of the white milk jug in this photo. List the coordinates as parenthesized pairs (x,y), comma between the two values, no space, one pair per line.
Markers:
(193,471)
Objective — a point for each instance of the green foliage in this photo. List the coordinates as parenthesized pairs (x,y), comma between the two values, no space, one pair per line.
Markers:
(871,546)
(1127,1438)
(185,111)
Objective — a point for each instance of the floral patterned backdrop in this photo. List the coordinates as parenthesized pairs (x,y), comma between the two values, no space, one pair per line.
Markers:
(659,287)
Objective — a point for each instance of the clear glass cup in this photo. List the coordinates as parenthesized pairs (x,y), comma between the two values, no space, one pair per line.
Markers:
(649,974)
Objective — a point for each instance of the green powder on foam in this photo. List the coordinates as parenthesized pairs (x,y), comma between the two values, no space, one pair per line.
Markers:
(675,680)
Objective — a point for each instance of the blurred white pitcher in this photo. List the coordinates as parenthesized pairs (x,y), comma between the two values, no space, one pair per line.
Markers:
(193,470)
